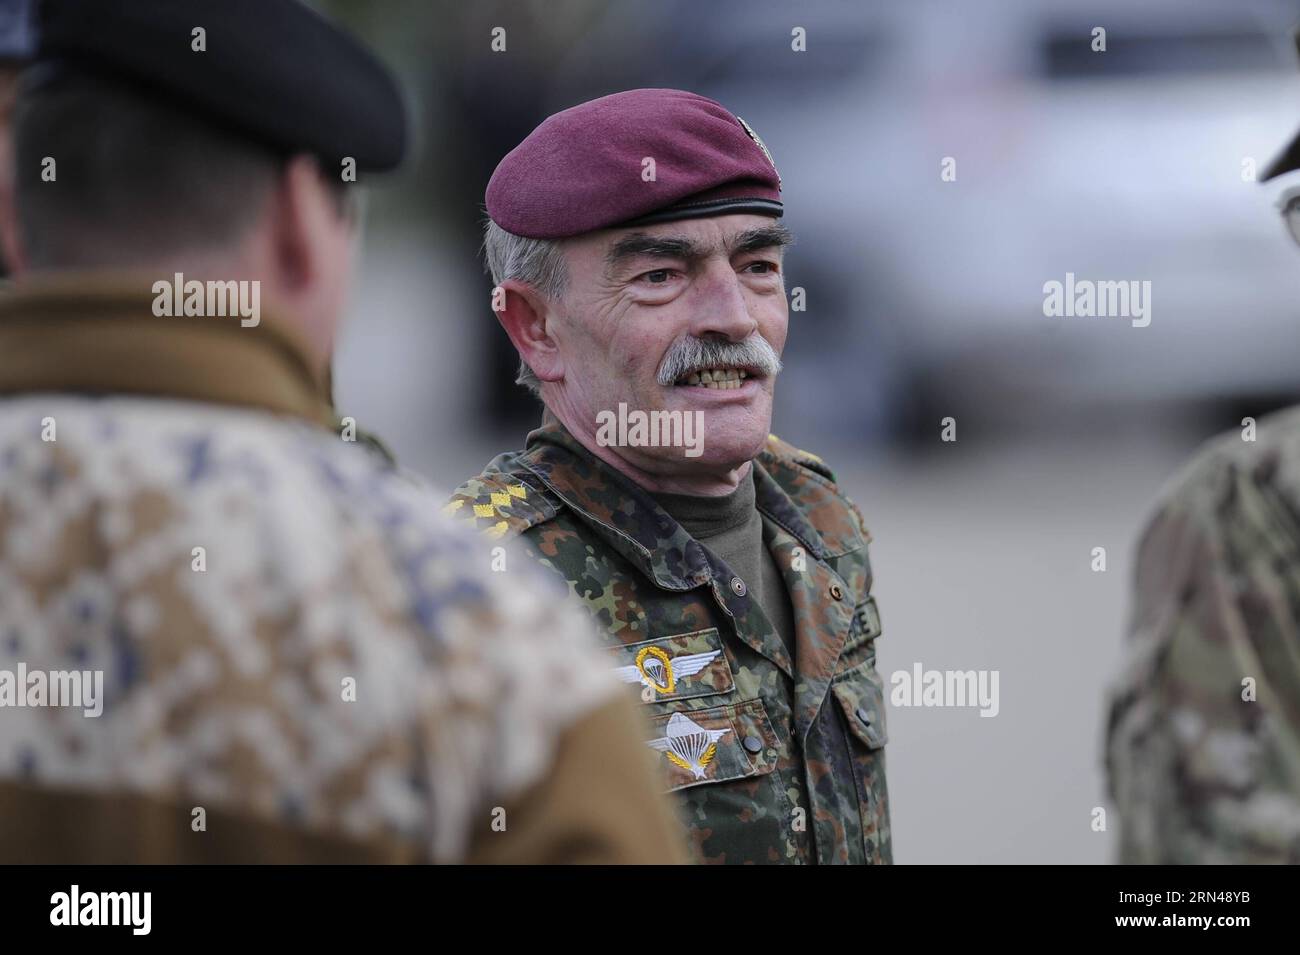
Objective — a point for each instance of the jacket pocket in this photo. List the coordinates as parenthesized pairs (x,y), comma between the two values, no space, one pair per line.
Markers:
(715,745)
(721,764)
(860,694)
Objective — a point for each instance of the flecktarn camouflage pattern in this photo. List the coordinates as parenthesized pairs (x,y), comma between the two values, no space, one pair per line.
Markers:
(773,757)
(1204,729)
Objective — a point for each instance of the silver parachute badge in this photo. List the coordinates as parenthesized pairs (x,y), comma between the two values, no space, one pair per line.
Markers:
(688,744)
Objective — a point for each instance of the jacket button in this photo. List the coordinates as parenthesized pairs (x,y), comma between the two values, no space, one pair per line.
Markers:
(738,586)
(753,744)
(836,592)
(863,715)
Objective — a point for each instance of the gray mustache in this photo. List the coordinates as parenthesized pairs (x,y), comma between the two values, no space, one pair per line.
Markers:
(695,354)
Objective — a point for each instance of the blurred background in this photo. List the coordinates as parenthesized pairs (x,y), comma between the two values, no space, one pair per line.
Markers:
(924,300)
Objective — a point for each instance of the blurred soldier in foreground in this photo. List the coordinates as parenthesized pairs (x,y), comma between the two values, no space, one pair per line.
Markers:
(637,253)
(1204,728)
(225,633)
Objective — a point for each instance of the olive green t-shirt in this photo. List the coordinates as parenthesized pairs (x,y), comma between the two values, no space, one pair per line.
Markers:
(732,528)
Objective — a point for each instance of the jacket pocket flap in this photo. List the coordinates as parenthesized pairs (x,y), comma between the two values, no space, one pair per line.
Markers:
(679,667)
(714,745)
(861,695)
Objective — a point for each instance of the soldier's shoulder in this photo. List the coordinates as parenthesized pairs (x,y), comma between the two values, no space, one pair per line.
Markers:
(504,500)
(811,484)
(1227,513)
(1259,457)
(783,452)
(1213,569)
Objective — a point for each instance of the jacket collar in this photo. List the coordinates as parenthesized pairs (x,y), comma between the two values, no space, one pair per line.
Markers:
(98,335)
(630,519)
(819,521)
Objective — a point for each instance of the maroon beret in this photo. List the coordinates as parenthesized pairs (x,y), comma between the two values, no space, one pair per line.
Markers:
(582,169)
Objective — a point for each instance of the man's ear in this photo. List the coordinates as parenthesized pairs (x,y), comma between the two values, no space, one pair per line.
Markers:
(301,211)
(525,315)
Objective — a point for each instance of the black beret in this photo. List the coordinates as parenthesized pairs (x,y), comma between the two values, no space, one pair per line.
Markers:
(274,69)
(1287,161)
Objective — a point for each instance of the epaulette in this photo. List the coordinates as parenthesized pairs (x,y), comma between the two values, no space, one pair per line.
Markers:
(500,505)
(788,454)
(806,459)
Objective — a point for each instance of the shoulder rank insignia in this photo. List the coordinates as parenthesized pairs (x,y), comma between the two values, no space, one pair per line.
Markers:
(688,744)
(497,505)
(786,450)
(654,669)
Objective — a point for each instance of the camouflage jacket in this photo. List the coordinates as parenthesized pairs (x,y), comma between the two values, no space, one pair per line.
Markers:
(1204,727)
(772,759)
(297,659)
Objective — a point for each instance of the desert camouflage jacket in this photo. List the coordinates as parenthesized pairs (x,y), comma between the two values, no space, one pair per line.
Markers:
(1204,727)
(297,660)
(773,757)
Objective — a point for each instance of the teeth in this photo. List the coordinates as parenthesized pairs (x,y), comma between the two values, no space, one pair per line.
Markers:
(724,379)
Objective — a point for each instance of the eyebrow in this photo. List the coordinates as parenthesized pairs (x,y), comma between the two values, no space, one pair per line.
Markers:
(766,237)
(661,246)
(681,247)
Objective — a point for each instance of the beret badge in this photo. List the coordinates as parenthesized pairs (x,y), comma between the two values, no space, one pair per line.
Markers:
(763,146)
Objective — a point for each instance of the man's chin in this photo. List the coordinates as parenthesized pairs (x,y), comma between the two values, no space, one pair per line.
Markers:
(728,443)
(735,432)
(696,440)
(693,429)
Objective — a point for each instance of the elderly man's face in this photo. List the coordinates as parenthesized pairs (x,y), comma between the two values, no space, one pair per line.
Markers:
(679,316)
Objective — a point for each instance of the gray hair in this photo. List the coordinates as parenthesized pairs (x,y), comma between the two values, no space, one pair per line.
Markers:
(535,262)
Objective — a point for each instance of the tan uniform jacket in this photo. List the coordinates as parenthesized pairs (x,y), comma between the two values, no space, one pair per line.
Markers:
(292,656)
